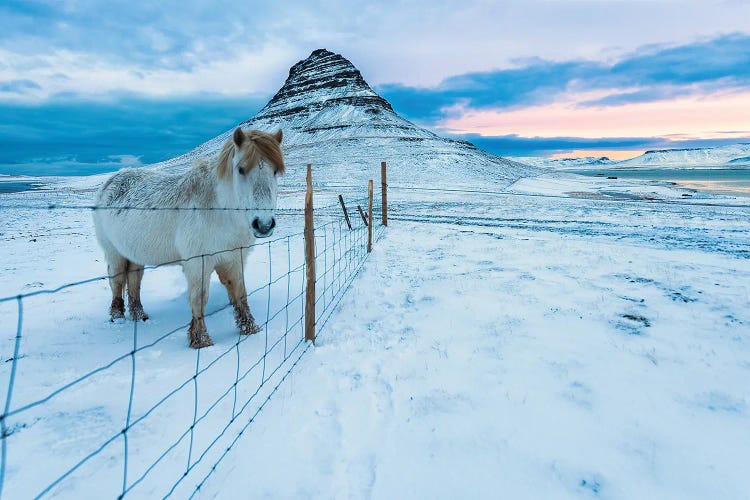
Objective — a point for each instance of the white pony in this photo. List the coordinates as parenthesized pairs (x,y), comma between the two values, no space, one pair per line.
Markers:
(203,219)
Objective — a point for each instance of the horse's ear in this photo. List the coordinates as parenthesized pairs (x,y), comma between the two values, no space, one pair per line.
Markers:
(278,135)
(238,137)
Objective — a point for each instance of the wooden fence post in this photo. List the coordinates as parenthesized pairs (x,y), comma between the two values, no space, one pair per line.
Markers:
(384,185)
(346,214)
(369,216)
(309,260)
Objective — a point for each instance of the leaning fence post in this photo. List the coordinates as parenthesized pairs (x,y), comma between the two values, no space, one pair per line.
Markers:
(309,260)
(369,216)
(362,214)
(346,214)
(384,185)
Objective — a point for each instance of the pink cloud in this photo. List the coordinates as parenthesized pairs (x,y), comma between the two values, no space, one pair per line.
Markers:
(719,115)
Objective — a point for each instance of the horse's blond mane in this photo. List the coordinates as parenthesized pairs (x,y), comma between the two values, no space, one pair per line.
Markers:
(257,146)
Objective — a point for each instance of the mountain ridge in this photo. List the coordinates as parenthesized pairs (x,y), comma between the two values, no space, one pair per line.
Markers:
(333,119)
(730,156)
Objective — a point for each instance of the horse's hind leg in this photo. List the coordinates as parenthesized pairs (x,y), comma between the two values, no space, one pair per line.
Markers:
(135,275)
(230,275)
(117,268)
(198,277)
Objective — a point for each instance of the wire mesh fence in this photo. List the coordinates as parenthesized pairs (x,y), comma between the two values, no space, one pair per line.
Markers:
(121,420)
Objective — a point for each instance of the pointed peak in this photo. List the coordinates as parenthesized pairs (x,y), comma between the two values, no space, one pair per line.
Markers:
(322,52)
(323,76)
(321,62)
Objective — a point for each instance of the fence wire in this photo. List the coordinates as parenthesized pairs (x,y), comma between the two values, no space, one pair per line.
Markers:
(340,253)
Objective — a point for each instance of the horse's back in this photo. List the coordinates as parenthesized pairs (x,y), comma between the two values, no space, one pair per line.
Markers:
(133,215)
(136,187)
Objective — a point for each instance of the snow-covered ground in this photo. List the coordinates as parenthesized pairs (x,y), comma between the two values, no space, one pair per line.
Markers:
(569,337)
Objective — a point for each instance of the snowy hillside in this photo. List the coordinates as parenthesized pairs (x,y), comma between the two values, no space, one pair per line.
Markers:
(733,155)
(587,161)
(333,119)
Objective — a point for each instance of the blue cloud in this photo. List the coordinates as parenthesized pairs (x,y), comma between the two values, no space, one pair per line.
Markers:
(17,86)
(722,62)
(537,82)
(513,145)
(71,136)
(167,34)
(722,58)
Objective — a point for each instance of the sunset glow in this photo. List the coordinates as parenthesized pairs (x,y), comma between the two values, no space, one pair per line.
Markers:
(714,116)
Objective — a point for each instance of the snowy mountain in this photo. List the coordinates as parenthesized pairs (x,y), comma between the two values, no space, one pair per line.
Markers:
(731,155)
(333,119)
(588,161)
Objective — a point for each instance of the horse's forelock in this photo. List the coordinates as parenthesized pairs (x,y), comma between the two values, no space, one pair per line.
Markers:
(269,148)
(260,146)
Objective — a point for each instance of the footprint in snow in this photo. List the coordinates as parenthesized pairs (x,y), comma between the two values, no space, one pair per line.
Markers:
(718,401)
(633,324)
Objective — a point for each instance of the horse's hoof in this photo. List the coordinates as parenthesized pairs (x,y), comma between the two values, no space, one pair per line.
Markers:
(117,309)
(201,342)
(136,310)
(115,315)
(138,315)
(249,328)
(198,334)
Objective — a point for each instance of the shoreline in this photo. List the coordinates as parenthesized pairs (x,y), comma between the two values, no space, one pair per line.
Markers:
(713,187)
(712,181)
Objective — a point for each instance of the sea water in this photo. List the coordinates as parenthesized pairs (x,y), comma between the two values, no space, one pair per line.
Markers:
(730,181)
(16,186)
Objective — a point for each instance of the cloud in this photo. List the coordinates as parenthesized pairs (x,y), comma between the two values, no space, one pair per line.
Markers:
(723,58)
(693,116)
(70,165)
(648,74)
(80,74)
(108,134)
(17,86)
(416,43)
(154,79)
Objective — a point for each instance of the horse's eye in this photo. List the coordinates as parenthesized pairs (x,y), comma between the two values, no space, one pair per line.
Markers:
(242,170)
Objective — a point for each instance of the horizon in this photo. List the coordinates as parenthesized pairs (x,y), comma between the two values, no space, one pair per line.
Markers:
(596,90)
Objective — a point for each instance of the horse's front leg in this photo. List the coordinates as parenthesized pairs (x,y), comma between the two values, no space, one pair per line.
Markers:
(231,277)
(198,276)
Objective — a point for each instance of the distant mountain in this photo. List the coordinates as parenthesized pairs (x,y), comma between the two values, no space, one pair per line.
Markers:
(333,119)
(731,155)
(587,161)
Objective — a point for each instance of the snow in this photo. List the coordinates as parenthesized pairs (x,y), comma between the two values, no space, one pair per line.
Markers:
(481,367)
(523,343)
(728,156)
(586,161)
(515,333)
(721,156)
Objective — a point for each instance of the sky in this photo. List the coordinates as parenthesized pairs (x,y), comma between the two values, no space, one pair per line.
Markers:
(89,86)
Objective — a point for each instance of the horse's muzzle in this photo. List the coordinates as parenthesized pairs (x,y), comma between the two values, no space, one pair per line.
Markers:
(263,229)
